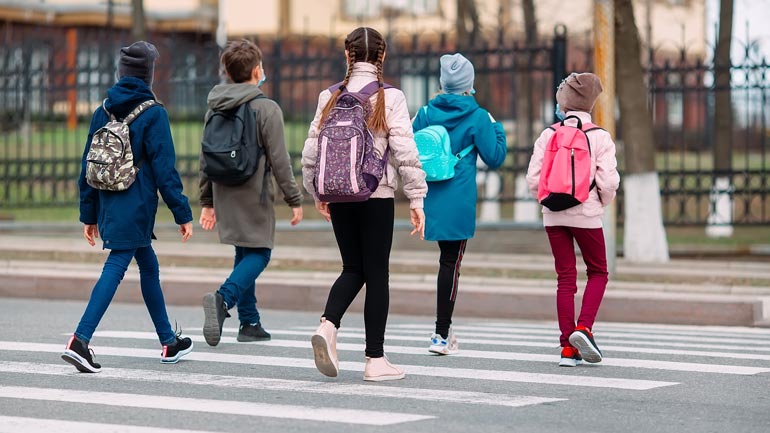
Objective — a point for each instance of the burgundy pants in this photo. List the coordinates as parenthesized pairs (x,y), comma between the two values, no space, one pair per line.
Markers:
(591,244)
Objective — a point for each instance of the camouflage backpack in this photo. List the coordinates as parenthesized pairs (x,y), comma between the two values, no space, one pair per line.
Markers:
(110,161)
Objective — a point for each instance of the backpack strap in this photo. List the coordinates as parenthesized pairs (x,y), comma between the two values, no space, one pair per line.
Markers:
(463,153)
(368,90)
(139,110)
(104,107)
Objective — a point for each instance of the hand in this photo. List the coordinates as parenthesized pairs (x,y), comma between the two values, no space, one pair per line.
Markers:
(296,215)
(323,209)
(90,232)
(417,218)
(208,219)
(186,230)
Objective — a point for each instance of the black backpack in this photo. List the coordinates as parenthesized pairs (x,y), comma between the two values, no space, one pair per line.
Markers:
(230,147)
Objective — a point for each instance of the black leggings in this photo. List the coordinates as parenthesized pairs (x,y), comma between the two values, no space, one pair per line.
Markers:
(447,282)
(364,233)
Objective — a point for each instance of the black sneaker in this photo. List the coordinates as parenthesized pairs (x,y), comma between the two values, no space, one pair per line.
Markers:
(173,352)
(78,354)
(215,313)
(252,332)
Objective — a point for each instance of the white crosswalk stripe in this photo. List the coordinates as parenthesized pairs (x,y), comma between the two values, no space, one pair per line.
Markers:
(637,357)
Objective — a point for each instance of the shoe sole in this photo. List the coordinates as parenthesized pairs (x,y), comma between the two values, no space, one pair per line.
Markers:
(212,333)
(442,351)
(587,350)
(323,360)
(384,378)
(178,356)
(81,364)
(252,339)
(569,362)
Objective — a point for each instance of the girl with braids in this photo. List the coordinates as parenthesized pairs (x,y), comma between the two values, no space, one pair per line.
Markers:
(364,230)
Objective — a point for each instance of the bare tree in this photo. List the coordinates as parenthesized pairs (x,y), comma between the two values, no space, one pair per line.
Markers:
(467,27)
(525,211)
(644,236)
(720,217)
(138,20)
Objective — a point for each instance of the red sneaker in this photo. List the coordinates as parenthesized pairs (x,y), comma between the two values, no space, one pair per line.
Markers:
(583,340)
(570,357)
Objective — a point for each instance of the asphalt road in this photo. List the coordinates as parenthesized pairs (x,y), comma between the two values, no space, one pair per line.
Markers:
(655,378)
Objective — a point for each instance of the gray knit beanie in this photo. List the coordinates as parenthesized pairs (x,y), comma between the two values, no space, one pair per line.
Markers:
(138,60)
(578,92)
(456,74)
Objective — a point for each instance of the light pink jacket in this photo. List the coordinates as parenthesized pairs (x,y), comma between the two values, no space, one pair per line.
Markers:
(604,171)
(399,142)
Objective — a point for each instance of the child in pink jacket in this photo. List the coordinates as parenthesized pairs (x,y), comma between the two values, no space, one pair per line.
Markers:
(576,96)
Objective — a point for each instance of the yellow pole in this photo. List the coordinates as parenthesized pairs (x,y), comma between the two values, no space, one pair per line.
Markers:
(604,111)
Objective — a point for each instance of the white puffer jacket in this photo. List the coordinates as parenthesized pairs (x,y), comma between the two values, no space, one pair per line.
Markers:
(399,141)
(604,171)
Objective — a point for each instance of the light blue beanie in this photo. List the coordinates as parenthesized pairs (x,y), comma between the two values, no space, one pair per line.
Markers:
(456,74)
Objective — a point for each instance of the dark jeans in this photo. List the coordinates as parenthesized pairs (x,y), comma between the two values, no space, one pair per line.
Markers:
(239,288)
(364,232)
(448,282)
(104,290)
(591,244)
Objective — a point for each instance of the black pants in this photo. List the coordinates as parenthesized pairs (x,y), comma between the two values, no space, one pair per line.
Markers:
(364,233)
(447,282)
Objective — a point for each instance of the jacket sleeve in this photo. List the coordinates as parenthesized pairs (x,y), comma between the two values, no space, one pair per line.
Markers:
(162,157)
(271,128)
(536,162)
(310,150)
(607,177)
(490,141)
(206,194)
(403,151)
(89,197)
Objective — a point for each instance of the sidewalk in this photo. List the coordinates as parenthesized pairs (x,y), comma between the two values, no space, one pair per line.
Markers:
(60,265)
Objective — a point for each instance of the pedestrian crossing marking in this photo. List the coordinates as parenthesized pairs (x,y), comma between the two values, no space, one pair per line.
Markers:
(455,373)
(220,407)
(272,384)
(479,354)
(14,424)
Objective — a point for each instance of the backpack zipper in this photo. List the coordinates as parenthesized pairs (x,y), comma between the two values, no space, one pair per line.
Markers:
(572,157)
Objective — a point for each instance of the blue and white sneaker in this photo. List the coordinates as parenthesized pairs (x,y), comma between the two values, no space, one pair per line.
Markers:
(444,346)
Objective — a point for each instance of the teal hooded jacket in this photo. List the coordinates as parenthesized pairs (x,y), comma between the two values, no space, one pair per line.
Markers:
(450,206)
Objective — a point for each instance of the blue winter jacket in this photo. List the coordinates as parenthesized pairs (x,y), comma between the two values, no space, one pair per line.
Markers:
(450,206)
(126,218)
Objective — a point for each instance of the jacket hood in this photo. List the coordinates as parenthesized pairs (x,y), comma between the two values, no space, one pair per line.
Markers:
(228,96)
(126,94)
(450,109)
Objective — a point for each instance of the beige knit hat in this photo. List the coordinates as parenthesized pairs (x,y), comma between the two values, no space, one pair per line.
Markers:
(578,92)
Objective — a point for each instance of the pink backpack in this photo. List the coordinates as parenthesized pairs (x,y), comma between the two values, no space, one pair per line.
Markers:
(565,178)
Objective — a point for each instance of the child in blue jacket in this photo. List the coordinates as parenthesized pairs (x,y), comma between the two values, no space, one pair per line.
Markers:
(450,206)
(125,219)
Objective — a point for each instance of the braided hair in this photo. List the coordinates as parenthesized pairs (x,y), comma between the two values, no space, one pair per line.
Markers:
(364,44)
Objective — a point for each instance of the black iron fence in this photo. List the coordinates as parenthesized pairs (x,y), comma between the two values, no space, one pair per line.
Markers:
(51,79)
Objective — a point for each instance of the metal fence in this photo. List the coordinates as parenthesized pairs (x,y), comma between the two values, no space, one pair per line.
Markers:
(51,79)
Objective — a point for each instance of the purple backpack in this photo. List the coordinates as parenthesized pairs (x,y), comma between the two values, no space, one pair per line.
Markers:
(348,169)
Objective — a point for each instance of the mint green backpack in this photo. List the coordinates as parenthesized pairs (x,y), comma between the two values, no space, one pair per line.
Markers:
(435,151)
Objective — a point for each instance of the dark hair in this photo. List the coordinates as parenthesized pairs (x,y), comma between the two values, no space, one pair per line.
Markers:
(364,44)
(240,58)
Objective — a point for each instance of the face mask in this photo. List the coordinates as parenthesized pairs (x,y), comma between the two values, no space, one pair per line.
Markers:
(264,77)
(559,114)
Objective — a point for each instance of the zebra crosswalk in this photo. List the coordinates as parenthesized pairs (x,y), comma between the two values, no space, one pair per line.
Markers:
(501,366)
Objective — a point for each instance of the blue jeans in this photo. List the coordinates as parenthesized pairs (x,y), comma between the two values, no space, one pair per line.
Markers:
(104,290)
(239,289)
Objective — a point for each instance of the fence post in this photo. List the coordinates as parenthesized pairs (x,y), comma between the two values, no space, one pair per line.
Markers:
(275,77)
(558,58)
(72,65)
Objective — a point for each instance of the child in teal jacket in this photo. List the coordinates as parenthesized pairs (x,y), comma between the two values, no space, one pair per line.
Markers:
(450,206)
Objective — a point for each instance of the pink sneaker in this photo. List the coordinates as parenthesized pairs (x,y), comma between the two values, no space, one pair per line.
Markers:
(324,343)
(380,369)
